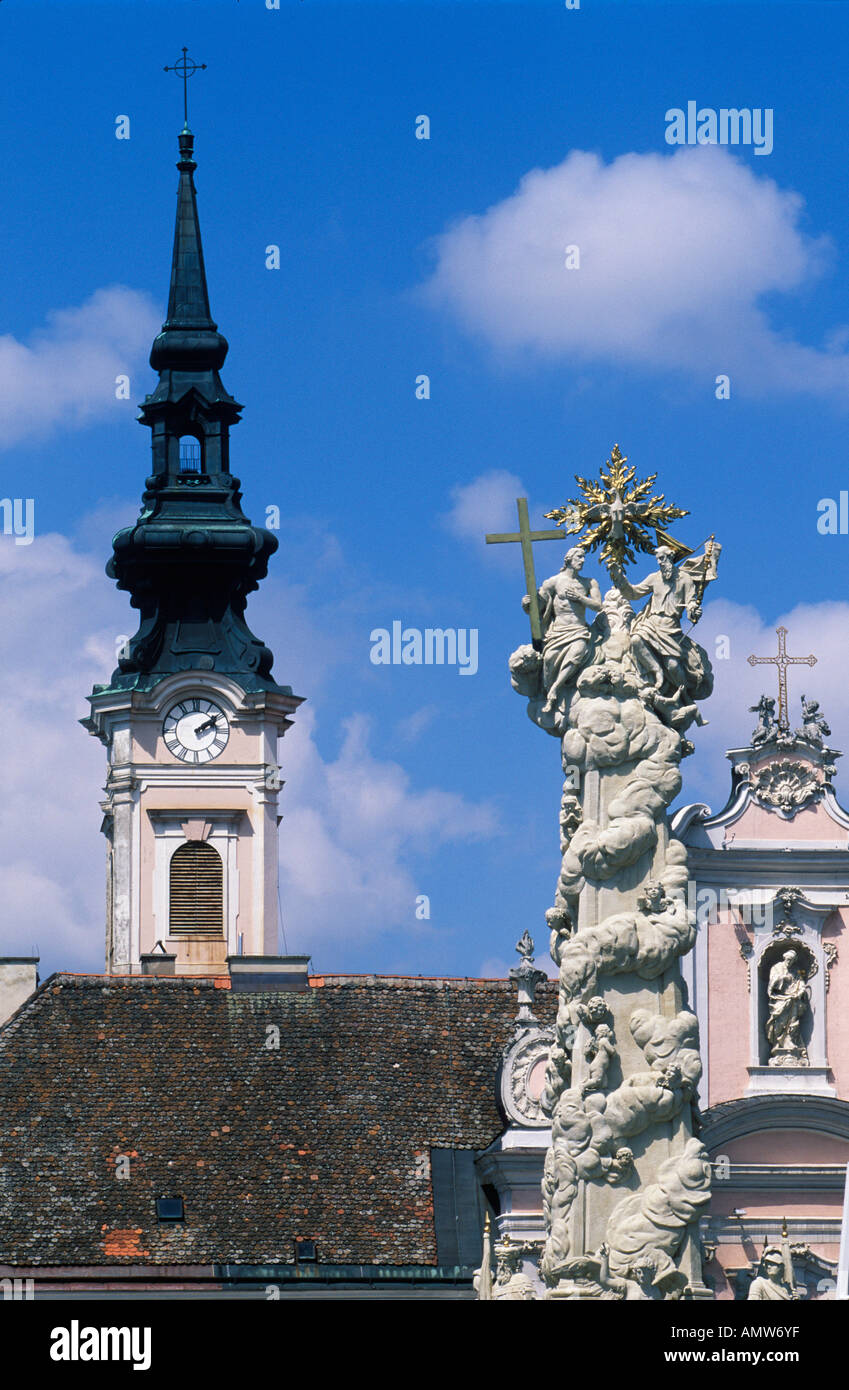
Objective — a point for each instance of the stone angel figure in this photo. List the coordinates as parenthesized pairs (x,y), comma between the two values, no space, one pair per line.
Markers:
(814,727)
(767,727)
(599,1054)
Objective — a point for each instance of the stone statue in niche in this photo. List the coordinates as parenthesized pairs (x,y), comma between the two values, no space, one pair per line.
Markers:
(788,999)
(563,601)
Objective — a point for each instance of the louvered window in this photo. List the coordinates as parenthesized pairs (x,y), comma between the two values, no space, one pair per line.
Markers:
(196,890)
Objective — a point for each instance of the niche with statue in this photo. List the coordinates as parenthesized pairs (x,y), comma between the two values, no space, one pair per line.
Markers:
(785,972)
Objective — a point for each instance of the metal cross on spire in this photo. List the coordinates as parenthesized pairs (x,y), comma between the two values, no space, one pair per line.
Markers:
(187,67)
(782,661)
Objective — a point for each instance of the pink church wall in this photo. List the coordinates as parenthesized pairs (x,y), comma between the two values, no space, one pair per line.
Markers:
(788,1146)
(811,823)
(728,1034)
(761,1204)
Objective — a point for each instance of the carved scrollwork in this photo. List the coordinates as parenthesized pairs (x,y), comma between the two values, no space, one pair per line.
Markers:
(747,950)
(522,1077)
(786,786)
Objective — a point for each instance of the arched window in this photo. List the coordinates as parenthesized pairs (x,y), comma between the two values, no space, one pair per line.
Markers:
(196,891)
(191,459)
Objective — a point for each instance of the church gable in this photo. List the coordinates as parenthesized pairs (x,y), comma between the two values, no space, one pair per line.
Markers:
(812,821)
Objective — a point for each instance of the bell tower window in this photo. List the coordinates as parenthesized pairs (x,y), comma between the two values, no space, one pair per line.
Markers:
(191,456)
(196,900)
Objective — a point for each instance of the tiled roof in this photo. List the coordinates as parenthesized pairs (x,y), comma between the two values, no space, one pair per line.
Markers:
(326,1137)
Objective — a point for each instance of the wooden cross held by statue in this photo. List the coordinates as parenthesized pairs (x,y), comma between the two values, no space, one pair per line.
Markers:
(525,536)
(782,661)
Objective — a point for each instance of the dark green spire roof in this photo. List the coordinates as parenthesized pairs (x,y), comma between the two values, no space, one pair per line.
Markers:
(188,298)
(189,348)
(193,557)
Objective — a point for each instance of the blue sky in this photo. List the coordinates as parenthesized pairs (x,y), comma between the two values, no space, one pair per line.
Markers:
(714,261)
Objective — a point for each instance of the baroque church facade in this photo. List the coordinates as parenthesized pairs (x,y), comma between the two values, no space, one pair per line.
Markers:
(769,888)
(769,985)
(208,1116)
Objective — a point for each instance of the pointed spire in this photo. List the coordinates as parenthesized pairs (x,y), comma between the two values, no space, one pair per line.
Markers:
(189,340)
(188,300)
(193,557)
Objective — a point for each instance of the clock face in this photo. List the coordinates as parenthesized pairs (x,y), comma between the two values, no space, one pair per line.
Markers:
(195,731)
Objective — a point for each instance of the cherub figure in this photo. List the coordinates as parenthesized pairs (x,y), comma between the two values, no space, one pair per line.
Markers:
(599,1053)
(653,899)
(814,727)
(767,727)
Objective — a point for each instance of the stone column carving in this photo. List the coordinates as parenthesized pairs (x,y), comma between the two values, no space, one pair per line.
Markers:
(625,1180)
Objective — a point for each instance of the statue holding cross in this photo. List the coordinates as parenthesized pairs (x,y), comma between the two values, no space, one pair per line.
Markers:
(563,600)
(557,612)
(525,537)
(618,689)
(621,515)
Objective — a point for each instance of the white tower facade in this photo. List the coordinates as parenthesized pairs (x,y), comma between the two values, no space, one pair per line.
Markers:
(192,857)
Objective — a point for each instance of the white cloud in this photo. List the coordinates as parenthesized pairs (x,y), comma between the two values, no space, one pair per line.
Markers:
(354,826)
(351,830)
(66,373)
(412,726)
(676,251)
(56,639)
(487,503)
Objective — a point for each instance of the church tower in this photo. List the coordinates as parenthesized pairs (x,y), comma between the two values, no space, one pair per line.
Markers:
(191,717)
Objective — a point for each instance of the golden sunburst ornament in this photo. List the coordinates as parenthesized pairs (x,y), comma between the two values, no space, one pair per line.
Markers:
(620,515)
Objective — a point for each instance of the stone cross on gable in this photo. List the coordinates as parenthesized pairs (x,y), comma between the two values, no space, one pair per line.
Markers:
(782,661)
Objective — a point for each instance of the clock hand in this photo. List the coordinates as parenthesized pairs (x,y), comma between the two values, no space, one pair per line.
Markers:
(208,724)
